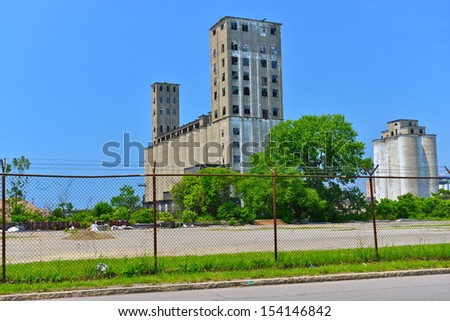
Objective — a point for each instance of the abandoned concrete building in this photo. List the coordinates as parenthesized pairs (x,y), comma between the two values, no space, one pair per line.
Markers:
(246,102)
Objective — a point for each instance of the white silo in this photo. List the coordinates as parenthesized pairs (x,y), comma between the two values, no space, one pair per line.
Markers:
(405,150)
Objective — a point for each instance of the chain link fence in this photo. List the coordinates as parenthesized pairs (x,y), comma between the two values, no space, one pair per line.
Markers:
(85,219)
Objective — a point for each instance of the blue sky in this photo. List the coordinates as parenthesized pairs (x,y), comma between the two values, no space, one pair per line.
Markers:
(75,74)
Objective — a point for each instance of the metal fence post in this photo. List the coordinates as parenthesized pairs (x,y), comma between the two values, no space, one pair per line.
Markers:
(274,210)
(3,220)
(155,246)
(372,204)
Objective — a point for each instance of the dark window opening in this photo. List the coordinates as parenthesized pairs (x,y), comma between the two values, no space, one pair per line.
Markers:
(247,110)
(264,92)
(234,46)
(234,75)
(235,109)
(263,63)
(246,75)
(234,60)
(245,61)
(246,91)
(275,112)
(275,93)
(265,113)
(264,81)
(233,25)
(244,27)
(235,90)
(224,111)
(273,31)
(236,131)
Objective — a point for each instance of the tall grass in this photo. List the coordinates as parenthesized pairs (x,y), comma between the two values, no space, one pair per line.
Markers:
(108,268)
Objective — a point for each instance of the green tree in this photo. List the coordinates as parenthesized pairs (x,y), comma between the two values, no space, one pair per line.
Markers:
(16,192)
(324,145)
(127,198)
(204,194)
(102,211)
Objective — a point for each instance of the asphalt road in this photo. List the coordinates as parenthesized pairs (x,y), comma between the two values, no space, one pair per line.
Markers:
(46,246)
(413,288)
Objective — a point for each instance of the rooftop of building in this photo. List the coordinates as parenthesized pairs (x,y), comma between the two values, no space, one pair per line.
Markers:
(246,19)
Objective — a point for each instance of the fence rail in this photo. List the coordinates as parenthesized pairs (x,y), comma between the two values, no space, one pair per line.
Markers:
(67,218)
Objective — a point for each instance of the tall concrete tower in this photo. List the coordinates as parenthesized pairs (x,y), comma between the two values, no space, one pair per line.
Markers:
(165,108)
(246,85)
(405,150)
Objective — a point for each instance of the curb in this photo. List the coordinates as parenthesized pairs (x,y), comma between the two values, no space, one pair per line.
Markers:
(217,285)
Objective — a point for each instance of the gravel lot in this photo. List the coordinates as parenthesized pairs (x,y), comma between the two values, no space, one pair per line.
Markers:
(45,246)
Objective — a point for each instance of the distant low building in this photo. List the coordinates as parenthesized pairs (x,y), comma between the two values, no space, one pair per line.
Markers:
(405,150)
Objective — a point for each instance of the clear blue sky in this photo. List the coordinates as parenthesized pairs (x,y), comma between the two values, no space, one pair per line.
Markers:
(75,74)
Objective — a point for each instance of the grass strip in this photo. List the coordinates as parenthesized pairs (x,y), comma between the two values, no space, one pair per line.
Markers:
(105,272)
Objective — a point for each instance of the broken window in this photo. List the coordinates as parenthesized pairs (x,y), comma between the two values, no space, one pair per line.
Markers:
(263,63)
(247,110)
(234,45)
(235,90)
(265,113)
(273,30)
(234,60)
(275,93)
(244,27)
(246,75)
(236,131)
(235,109)
(246,91)
(233,25)
(262,49)
(274,79)
(234,75)
(235,144)
(236,159)
(264,81)
(275,111)
(264,92)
